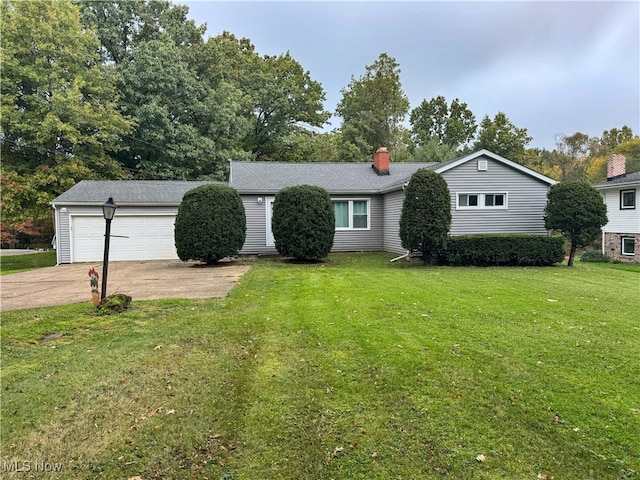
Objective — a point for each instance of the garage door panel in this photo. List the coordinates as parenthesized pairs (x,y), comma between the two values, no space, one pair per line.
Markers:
(149,238)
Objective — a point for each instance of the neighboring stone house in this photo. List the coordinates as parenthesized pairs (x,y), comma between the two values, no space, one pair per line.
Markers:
(621,194)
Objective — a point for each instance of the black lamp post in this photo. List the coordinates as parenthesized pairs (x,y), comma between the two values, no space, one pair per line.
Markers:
(108,210)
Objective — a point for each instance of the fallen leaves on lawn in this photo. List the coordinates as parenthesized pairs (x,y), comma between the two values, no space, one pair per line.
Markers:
(481,458)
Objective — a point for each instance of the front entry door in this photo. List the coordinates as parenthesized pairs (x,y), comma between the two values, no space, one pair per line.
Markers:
(270,240)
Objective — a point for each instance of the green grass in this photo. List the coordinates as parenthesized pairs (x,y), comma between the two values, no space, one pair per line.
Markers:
(356,368)
(29,261)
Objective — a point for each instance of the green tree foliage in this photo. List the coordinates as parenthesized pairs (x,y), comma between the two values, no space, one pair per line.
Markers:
(426,214)
(502,137)
(211,224)
(572,156)
(182,121)
(576,210)
(59,108)
(283,98)
(303,222)
(123,24)
(305,146)
(57,100)
(616,136)
(372,109)
(452,125)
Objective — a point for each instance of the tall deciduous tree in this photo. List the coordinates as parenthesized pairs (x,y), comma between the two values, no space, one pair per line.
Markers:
(58,101)
(373,107)
(283,98)
(503,137)
(123,24)
(183,123)
(59,116)
(451,125)
(576,210)
(426,214)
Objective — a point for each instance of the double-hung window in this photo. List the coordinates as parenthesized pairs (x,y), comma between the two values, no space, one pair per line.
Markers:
(628,246)
(482,200)
(628,199)
(351,214)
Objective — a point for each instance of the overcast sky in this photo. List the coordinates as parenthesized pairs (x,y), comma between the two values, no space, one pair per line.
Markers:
(551,67)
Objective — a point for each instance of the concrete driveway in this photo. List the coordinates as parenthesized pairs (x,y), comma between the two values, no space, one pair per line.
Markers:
(66,284)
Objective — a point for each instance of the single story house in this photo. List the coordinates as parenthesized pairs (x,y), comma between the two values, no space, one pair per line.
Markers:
(621,194)
(489,194)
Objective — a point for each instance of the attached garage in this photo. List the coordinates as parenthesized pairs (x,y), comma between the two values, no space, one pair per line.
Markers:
(134,237)
(142,228)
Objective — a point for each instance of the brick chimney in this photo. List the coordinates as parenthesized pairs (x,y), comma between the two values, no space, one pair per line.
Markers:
(381,161)
(615,166)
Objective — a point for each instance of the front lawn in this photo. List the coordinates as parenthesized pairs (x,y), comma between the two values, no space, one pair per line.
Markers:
(29,261)
(356,368)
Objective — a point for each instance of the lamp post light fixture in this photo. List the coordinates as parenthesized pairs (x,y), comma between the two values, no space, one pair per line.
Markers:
(108,211)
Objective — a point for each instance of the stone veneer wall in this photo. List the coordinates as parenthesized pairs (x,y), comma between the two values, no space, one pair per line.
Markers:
(616,239)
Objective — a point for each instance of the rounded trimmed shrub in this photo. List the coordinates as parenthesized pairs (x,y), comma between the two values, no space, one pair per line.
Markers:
(426,214)
(303,222)
(211,224)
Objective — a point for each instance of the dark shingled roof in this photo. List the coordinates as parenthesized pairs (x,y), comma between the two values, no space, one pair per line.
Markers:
(132,192)
(269,177)
(629,178)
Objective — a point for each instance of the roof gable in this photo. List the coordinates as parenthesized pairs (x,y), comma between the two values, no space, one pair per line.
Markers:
(451,164)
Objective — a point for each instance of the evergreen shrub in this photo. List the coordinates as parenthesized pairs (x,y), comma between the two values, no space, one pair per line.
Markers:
(211,224)
(504,250)
(426,214)
(592,255)
(303,222)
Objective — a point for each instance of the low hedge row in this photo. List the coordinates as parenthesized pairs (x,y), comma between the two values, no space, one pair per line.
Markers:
(493,250)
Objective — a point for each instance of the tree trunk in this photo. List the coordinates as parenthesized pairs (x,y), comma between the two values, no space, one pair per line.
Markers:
(572,252)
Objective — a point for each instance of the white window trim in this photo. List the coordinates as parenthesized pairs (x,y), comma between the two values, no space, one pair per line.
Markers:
(481,205)
(622,242)
(630,207)
(350,206)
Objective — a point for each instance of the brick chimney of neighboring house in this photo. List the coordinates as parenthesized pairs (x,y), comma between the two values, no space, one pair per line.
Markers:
(381,161)
(615,166)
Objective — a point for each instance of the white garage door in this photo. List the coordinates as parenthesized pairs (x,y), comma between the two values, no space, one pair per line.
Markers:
(149,238)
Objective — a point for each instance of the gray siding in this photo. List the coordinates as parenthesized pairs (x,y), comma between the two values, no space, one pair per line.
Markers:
(256,240)
(344,241)
(63,238)
(527,197)
(392,209)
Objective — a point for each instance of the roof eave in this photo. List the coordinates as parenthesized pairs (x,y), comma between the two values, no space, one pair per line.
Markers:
(120,204)
(605,186)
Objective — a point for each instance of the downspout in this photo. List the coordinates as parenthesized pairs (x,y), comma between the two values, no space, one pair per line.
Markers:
(402,256)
